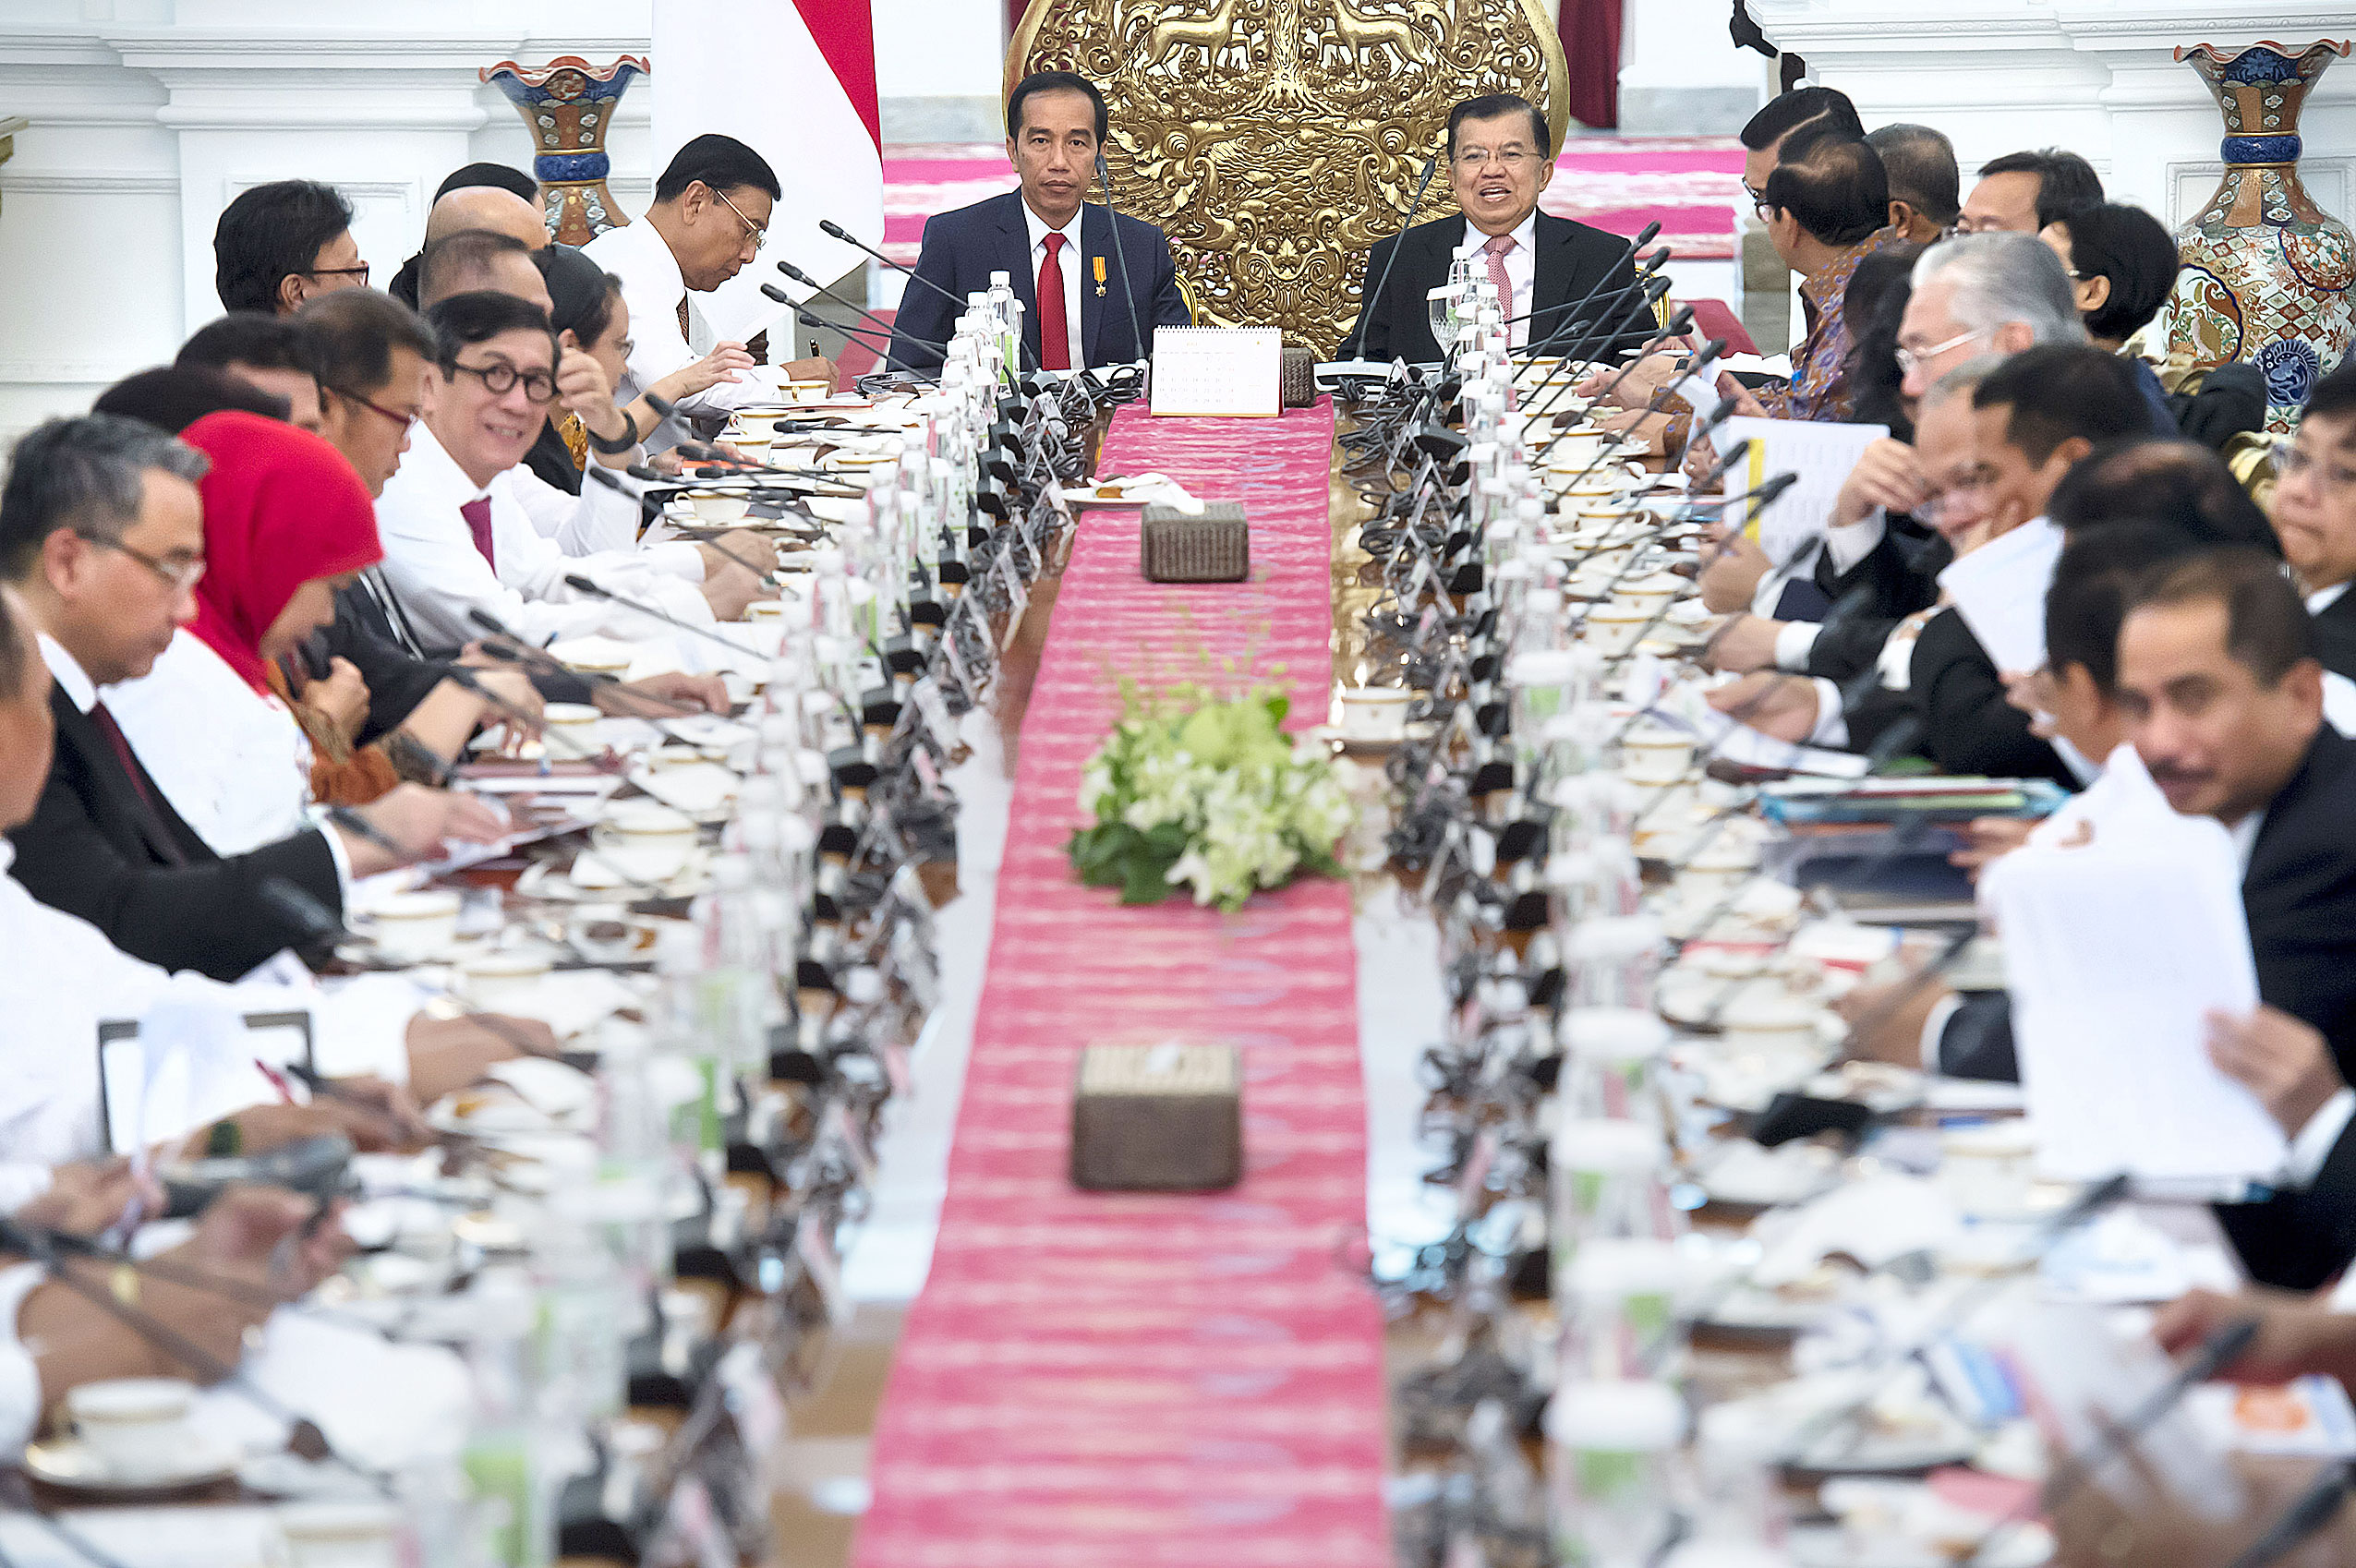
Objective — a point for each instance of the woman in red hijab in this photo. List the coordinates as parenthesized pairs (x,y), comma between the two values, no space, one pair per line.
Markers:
(286,521)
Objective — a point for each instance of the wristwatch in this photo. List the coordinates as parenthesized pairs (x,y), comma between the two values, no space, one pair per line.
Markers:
(615,448)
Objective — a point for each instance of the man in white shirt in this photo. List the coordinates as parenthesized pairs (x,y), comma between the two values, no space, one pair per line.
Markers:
(708,223)
(458,521)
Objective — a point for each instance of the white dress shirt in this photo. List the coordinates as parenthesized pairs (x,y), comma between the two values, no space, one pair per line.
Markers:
(1521,275)
(2324,599)
(652,287)
(63,978)
(1847,546)
(234,763)
(76,684)
(1070,260)
(433,565)
(19,1378)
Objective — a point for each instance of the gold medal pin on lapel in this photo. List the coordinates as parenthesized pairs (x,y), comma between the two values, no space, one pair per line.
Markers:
(1100,276)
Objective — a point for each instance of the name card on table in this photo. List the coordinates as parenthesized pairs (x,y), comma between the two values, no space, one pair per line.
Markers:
(1230,372)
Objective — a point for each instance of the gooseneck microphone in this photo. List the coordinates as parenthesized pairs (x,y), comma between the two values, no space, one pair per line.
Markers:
(880,327)
(836,231)
(1366,304)
(595,590)
(1653,264)
(1120,258)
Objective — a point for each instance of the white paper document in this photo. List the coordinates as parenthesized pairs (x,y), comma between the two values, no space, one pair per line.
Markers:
(1999,589)
(1821,455)
(2118,940)
(1235,372)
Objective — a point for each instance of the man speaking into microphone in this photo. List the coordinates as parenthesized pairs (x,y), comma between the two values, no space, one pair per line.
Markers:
(1500,157)
(1052,245)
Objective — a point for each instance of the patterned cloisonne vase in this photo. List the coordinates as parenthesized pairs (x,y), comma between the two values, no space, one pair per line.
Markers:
(567,105)
(2268,274)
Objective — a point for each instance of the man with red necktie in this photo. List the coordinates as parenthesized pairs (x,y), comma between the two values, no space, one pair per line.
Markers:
(1054,245)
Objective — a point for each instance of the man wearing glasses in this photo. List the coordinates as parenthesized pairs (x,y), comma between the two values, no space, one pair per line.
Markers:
(710,221)
(1500,156)
(457,536)
(282,243)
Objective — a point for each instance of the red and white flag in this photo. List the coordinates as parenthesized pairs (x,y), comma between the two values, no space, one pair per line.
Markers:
(795,79)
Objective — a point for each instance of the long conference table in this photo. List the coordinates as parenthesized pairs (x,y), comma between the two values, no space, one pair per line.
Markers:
(1115,1380)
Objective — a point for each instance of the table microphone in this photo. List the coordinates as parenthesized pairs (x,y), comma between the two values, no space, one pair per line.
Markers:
(2313,1508)
(1648,290)
(881,326)
(835,231)
(1366,305)
(868,335)
(1121,258)
(580,585)
(1652,264)
(1677,324)
(515,650)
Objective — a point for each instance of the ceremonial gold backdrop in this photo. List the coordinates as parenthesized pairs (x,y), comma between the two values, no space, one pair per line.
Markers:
(1274,140)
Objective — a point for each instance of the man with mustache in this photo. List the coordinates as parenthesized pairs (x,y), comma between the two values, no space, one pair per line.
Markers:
(2219,690)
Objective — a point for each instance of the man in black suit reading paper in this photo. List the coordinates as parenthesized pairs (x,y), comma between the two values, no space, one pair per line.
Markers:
(1051,243)
(1501,156)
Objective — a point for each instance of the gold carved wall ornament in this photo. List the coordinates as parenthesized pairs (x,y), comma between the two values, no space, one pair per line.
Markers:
(1274,140)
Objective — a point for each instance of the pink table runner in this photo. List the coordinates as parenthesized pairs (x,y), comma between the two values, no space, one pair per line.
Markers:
(1098,1380)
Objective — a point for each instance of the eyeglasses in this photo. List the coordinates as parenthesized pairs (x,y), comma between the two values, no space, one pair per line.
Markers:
(500,378)
(760,236)
(1765,209)
(1913,359)
(404,420)
(1512,158)
(178,575)
(360,272)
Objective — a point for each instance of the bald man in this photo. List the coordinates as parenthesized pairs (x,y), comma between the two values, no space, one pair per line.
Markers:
(470,259)
(486,206)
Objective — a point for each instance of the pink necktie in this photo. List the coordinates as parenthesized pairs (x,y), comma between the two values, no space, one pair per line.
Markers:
(1496,248)
(1054,328)
(477,515)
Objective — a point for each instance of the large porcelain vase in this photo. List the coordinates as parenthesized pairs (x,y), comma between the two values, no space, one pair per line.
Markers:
(567,105)
(2268,276)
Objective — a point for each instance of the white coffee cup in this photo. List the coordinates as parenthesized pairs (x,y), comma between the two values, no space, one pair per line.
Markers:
(1614,629)
(339,1534)
(1375,713)
(1654,754)
(645,841)
(1777,1028)
(576,719)
(719,506)
(495,982)
(768,610)
(1651,593)
(809,391)
(135,1427)
(417,924)
(1574,451)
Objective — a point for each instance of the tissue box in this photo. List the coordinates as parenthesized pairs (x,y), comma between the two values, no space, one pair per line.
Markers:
(1296,378)
(1214,546)
(1157,1119)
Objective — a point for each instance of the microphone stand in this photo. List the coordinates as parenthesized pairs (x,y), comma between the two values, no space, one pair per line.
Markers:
(1366,305)
(580,585)
(1677,324)
(887,328)
(1121,258)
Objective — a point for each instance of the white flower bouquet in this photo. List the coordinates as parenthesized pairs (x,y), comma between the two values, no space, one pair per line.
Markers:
(1213,796)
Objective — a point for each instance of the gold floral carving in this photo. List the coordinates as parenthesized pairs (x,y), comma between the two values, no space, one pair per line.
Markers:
(1275,140)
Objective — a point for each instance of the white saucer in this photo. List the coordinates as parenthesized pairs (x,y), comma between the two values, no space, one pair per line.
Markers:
(69,1463)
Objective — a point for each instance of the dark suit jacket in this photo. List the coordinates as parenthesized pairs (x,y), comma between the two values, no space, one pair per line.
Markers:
(92,850)
(1900,576)
(2336,634)
(1571,259)
(962,249)
(398,680)
(2300,896)
(1967,725)
(369,608)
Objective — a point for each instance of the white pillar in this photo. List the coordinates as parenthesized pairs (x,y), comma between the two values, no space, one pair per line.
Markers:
(1681,74)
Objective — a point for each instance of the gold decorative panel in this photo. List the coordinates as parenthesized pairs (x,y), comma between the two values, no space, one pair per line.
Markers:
(1275,140)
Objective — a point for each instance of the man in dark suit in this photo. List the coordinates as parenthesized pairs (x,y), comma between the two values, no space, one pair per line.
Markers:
(2222,697)
(101,531)
(1052,245)
(2315,514)
(1501,155)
